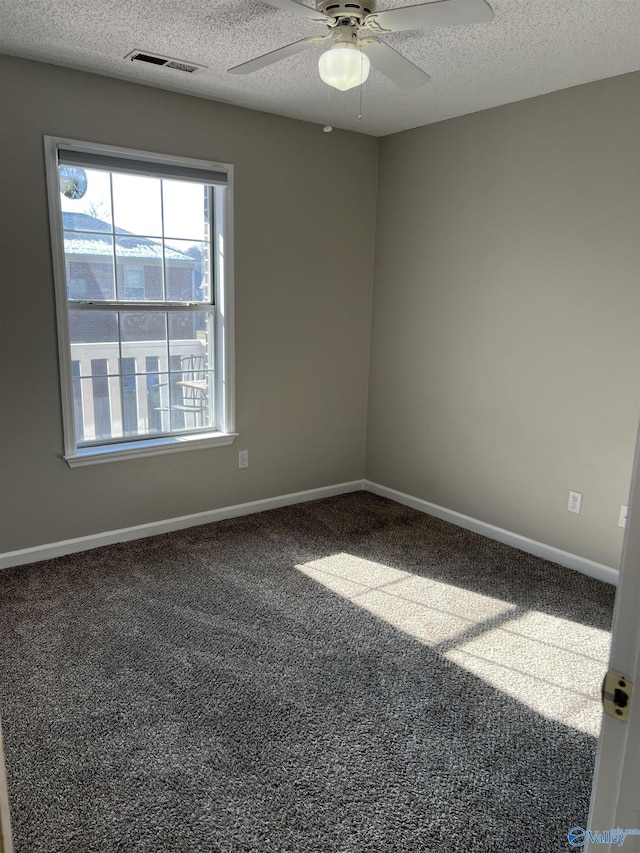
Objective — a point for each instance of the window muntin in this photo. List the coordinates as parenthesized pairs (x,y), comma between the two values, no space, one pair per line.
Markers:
(145,336)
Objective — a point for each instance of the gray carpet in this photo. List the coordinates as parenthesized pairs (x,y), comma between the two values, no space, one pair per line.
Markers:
(239,688)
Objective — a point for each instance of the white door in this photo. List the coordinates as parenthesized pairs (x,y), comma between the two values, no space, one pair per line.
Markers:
(615,799)
(5,824)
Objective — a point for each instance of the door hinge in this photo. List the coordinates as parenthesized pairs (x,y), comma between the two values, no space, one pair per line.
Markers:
(616,696)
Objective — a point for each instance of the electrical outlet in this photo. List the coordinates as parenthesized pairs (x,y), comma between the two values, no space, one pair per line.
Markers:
(575,501)
(243,459)
(622,518)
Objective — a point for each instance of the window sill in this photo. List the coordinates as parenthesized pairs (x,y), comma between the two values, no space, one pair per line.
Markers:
(152,447)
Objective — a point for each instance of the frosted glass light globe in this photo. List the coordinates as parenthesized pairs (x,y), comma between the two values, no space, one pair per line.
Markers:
(343,67)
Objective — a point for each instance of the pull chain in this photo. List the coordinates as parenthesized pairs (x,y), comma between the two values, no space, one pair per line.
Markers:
(361,85)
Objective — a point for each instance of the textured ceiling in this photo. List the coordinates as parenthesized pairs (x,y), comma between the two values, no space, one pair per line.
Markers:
(531,47)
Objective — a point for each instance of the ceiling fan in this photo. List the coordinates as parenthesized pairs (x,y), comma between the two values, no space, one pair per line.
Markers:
(352,40)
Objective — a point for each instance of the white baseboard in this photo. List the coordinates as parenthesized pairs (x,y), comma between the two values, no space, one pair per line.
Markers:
(141,531)
(531,546)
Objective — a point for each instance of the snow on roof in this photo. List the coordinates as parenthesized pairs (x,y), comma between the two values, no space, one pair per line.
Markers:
(85,235)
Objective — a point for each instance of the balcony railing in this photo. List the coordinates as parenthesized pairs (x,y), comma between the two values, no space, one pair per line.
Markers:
(138,389)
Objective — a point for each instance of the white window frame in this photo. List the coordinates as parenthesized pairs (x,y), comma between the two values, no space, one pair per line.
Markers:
(222,275)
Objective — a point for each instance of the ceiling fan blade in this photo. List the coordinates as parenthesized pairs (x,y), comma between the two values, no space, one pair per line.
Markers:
(276,55)
(393,65)
(299,9)
(443,13)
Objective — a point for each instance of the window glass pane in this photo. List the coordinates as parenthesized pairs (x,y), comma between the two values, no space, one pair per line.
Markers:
(133,283)
(93,335)
(130,387)
(100,399)
(144,348)
(139,268)
(190,335)
(89,266)
(191,362)
(137,205)
(191,398)
(185,264)
(85,394)
(112,407)
(157,400)
(77,287)
(144,335)
(130,380)
(186,210)
(76,389)
(100,387)
(90,211)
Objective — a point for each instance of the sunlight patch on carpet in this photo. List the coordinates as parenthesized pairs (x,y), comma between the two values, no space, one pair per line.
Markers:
(553,666)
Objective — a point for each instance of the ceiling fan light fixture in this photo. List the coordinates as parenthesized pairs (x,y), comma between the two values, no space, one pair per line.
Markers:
(343,66)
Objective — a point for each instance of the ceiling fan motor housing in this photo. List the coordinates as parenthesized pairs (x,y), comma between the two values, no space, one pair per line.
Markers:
(356,10)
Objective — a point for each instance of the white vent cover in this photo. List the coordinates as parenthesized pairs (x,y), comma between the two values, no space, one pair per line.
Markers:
(163,61)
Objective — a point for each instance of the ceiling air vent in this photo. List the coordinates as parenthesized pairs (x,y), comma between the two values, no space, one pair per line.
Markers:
(145,57)
(182,66)
(164,61)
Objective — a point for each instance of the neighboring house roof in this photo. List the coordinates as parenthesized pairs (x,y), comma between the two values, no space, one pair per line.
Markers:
(86,235)
(85,222)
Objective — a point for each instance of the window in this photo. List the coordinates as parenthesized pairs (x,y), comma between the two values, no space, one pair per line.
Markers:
(133,283)
(142,267)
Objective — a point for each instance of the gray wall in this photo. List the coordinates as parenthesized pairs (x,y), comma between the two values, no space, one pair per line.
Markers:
(506,325)
(303,298)
(506,331)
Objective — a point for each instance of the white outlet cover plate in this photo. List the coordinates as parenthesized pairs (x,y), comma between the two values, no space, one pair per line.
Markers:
(575,500)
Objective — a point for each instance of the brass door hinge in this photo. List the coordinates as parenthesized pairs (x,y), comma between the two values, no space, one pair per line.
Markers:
(616,696)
